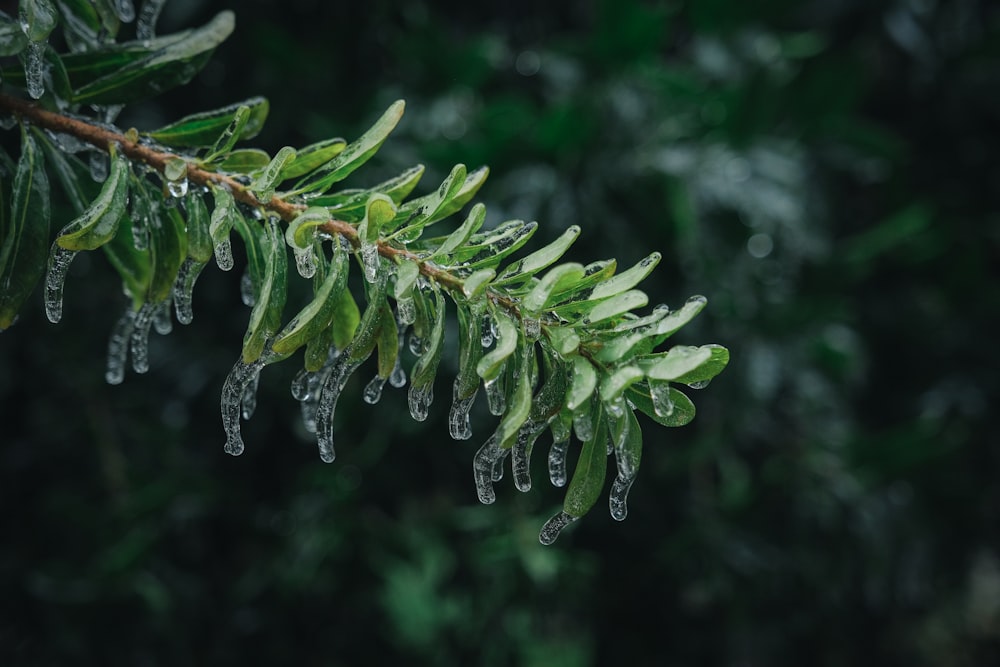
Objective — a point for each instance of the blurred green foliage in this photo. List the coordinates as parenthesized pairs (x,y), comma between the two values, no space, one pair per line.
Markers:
(824,172)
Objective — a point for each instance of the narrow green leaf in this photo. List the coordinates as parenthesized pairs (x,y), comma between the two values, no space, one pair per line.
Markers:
(477,283)
(588,479)
(243,120)
(38,19)
(614,306)
(388,343)
(366,335)
(582,383)
(677,319)
(72,174)
(349,205)
(526,267)
(556,279)
(12,38)
(614,384)
(426,366)
(318,313)
(471,225)
(346,319)
(628,279)
(168,248)
(133,266)
(271,297)
(354,155)
(683,409)
(301,232)
(593,274)
(200,244)
(564,340)
(470,351)
(488,248)
(406,276)
(311,157)
(263,186)
(519,404)
(685,361)
(99,222)
(244,161)
(491,364)
(718,360)
(417,213)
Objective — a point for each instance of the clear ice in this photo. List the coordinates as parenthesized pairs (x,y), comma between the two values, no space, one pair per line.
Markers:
(162,323)
(34,69)
(177,188)
(98,162)
(532,328)
(583,423)
(482,469)
(118,347)
(663,406)
(495,398)
(370,260)
(184,289)
(246,291)
(304,385)
(305,262)
(550,531)
(419,400)
(224,254)
(55,278)
(373,390)
(124,10)
(406,310)
(416,344)
(332,387)
(498,465)
(458,416)
(520,455)
(139,340)
(557,462)
(618,497)
(233,391)
(145,27)
(487,331)
(248,404)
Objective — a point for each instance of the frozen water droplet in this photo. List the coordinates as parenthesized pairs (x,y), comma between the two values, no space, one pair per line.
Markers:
(482,469)
(488,331)
(118,347)
(248,404)
(373,390)
(398,377)
(303,385)
(700,384)
(557,462)
(124,10)
(145,27)
(177,188)
(370,260)
(140,232)
(416,344)
(521,454)
(161,319)
(419,400)
(550,531)
(458,416)
(233,391)
(406,310)
(139,341)
(495,398)
(663,406)
(333,385)
(184,289)
(98,163)
(34,69)
(224,254)
(305,262)
(616,406)
(55,278)
(498,465)
(67,143)
(532,328)
(583,424)
(618,497)
(246,290)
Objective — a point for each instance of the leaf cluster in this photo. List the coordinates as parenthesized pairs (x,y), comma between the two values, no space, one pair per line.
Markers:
(557,347)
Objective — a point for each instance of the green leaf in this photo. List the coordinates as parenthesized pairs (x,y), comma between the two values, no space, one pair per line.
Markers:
(685,363)
(564,340)
(417,213)
(470,351)
(614,384)
(311,157)
(614,306)
(556,279)
(201,129)
(263,186)
(38,18)
(99,222)
(244,161)
(526,267)
(354,155)
(388,343)
(677,319)
(477,283)
(72,174)
(24,247)
(200,244)
(627,280)
(133,266)
(492,363)
(378,211)
(582,383)
(426,366)
(349,205)
(366,335)
(593,274)
(471,225)
(265,318)
(488,248)
(588,479)
(301,231)
(519,405)
(12,38)
(168,248)
(318,313)
(158,70)
(346,319)
(406,276)
(709,369)
(683,409)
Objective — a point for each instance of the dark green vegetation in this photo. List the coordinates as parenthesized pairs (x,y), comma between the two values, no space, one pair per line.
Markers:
(823,173)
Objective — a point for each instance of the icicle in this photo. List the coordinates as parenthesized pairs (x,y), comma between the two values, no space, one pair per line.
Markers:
(398,377)
(495,398)
(482,469)
(224,255)
(162,323)
(498,465)
(305,262)
(554,526)
(618,497)
(178,188)
(373,390)
(183,289)
(34,69)
(248,404)
(139,341)
(246,291)
(118,347)
(616,406)
(59,261)
(521,453)
(488,331)
(145,27)
(419,400)
(309,415)
(416,344)
(458,416)
(67,143)
(303,385)
(124,10)
(583,424)
(98,166)
(532,328)
(233,391)
(557,462)
(663,406)
(406,310)
(370,260)
(332,387)
(700,384)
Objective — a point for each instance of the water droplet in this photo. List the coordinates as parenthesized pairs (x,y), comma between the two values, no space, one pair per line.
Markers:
(419,400)
(659,391)
(458,416)
(118,347)
(554,526)
(498,465)
(304,385)
(583,423)
(305,262)
(406,310)
(139,341)
(177,188)
(700,384)
(224,254)
(162,323)
(557,462)
(616,406)
(373,390)
(55,278)
(398,377)
(482,469)
(495,398)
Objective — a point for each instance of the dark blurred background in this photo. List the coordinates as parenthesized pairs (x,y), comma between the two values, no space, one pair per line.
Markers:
(823,171)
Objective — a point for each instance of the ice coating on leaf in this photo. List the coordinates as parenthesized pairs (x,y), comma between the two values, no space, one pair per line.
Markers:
(184,289)
(246,290)
(178,188)
(660,393)
(140,231)
(554,526)
(398,377)
(498,465)
(416,344)
(616,406)
(328,396)
(224,254)
(458,416)
(34,69)
(557,462)
(124,10)
(305,262)
(248,404)
(532,328)
(59,261)
(419,400)
(139,340)
(370,260)
(618,497)
(521,454)
(373,390)
(162,323)
(583,424)
(233,391)
(700,384)
(482,469)
(495,398)
(118,347)
(98,163)
(406,310)
(145,26)
(487,331)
